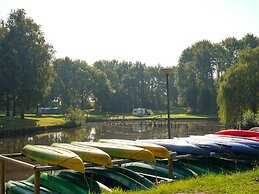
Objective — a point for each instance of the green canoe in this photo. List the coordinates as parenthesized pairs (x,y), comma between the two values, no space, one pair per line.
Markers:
(23,187)
(83,181)
(121,151)
(139,178)
(114,179)
(55,183)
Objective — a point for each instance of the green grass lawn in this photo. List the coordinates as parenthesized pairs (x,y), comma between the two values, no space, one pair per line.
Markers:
(57,119)
(247,182)
(30,121)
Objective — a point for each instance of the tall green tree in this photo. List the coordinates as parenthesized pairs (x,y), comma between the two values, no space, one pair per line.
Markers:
(73,84)
(195,77)
(239,86)
(27,61)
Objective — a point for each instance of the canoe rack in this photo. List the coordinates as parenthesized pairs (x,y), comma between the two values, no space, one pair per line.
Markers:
(38,168)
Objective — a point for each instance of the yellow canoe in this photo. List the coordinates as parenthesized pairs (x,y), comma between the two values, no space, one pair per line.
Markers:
(121,151)
(88,154)
(54,156)
(157,150)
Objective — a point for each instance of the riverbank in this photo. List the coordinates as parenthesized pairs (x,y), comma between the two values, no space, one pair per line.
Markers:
(245,182)
(14,126)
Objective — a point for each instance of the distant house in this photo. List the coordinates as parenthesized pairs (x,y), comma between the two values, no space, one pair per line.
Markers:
(49,110)
(142,112)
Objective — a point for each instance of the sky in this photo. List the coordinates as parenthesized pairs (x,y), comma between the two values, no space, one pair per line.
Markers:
(150,31)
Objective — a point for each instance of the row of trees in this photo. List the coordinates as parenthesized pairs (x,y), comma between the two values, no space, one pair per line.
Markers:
(111,85)
(26,69)
(30,76)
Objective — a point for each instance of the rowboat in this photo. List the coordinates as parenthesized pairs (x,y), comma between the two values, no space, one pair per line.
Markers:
(120,151)
(58,184)
(236,132)
(54,156)
(88,154)
(179,146)
(157,150)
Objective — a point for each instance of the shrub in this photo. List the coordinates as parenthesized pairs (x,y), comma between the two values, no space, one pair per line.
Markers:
(74,116)
(250,119)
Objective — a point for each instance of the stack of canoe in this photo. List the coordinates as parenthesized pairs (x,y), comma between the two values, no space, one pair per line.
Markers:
(221,152)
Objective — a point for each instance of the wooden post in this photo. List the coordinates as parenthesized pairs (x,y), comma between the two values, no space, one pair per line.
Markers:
(36,181)
(2,176)
(170,164)
(170,167)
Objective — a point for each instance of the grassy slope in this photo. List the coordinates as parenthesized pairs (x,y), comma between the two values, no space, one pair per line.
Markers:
(48,120)
(236,183)
(30,121)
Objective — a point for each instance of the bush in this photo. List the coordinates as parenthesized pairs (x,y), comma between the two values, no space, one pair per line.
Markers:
(250,119)
(74,116)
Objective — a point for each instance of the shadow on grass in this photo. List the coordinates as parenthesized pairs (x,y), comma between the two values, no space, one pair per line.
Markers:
(16,123)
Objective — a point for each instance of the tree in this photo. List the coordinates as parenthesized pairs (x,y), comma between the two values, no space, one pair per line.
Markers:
(195,75)
(27,60)
(73,84)
(239,86)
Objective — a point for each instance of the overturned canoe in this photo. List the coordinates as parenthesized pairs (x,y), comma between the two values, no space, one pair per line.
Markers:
(54,156)
(121,151)
(236,132)
(157,150)
(88,154)
(24,187)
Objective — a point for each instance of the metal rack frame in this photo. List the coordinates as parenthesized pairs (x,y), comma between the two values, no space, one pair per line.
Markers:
(37,168)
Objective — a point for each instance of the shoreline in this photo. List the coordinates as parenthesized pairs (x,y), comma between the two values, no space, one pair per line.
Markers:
(35,130)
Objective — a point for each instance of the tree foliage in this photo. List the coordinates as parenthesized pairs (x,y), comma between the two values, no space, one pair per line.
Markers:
(26,62)
(239,86)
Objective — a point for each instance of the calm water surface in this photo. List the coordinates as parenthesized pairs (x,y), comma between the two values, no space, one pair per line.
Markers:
(93,132)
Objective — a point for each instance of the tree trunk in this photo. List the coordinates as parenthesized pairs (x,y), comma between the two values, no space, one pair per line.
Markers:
(7,106)
(22,112)
(14,106)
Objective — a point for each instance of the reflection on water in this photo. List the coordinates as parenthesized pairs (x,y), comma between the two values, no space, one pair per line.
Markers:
(93,132)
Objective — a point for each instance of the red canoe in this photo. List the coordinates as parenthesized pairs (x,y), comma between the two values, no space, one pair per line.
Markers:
(236,132)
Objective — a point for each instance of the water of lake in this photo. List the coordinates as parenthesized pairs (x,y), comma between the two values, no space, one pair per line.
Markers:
(95,131)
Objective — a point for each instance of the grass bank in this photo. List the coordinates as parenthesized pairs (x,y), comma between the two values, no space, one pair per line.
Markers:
(30,121)
(178,113)
(247,182)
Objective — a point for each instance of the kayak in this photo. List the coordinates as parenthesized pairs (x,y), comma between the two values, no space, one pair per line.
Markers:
(237,132)
(213,147)
(83,181)
(179,146)
(236,146)
(226,138)
(120,151)
(114,179)
(57,184)
(54,156)
(157,150)
(88,154)
(23,187)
